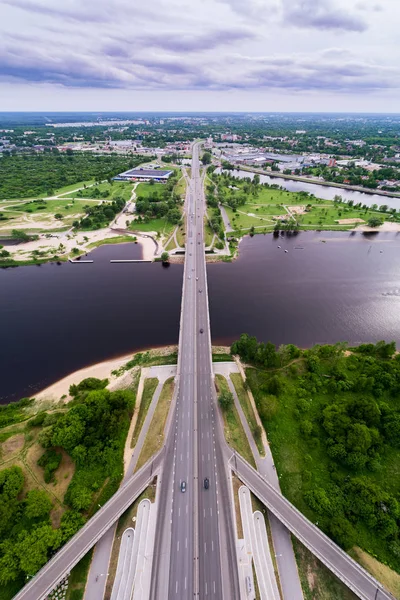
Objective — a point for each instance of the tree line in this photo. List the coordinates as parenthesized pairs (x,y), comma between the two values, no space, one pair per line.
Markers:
(28,175)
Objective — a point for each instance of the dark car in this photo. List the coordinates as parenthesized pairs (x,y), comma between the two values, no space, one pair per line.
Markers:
(201,330)
(183,486)
(206,484)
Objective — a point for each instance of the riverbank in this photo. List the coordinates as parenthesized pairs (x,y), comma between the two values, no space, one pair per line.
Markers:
(70,244)
(116,370)
(344,186)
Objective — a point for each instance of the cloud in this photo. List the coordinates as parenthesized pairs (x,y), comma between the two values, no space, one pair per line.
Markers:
(89,11)
(333,69)
(320,14)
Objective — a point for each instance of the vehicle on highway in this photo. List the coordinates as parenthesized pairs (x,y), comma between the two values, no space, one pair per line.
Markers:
(200,291)
(206,484)
(249,587)
(197,278)
(201,330)
(183,486)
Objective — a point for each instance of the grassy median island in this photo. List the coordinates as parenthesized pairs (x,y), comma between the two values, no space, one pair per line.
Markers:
(332,416)
(245,403)
(150,386)
(234,432)
(155,435)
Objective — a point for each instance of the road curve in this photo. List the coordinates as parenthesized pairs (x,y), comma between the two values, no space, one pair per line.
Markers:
(345,568)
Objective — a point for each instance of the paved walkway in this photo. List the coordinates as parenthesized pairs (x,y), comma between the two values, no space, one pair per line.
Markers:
(225,218)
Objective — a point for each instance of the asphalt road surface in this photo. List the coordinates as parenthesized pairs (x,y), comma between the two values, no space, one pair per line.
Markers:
(191,535)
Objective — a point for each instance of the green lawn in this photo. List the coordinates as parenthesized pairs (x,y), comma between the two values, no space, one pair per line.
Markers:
(247,409)
(121,189)
(239,220)
(63,206)
(180,187)
(234,432)
(269,202)
(158,225)
(150,386)
(149,189)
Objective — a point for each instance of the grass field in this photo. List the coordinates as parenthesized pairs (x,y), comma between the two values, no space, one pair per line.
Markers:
(161,226)
(247,409)
(149,189)
(149,388)
(267,203)
(122,189)
(234,432)
(155,436)
(78,577)
(317,582)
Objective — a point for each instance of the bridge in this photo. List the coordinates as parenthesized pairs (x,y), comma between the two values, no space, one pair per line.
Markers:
(195,553)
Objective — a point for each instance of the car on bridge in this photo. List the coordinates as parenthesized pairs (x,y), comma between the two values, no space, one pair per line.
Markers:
(206,483)
(183,486)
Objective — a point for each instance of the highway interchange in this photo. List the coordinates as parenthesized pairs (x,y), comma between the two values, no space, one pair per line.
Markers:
(194,553)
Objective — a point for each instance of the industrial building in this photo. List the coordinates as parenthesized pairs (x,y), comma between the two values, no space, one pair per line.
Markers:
(144,175)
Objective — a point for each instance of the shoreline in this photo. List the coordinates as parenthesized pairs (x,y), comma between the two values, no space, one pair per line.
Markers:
(103,370)
(344,186)
(100,370)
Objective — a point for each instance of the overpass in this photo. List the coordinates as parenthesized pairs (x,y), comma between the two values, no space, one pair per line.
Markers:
(357,579)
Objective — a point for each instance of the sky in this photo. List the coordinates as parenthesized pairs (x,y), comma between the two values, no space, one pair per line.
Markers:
(203,55)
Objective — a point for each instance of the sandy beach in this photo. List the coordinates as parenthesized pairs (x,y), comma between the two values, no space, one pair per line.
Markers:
(101,370)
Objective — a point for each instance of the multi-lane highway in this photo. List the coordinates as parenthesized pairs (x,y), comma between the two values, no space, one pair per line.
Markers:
(189,563)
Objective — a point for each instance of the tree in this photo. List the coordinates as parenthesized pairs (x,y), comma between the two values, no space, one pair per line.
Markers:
(374,222)
(37,504)
(71,522)
(225,399)
(165,257)
(17,234)
(206,158)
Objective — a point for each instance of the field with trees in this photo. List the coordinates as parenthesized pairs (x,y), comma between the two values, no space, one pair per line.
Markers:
(340,409)
(57,467)
(252,205)
(30,175)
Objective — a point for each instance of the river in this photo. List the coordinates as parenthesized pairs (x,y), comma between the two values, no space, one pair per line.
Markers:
(321,191)
(328,287)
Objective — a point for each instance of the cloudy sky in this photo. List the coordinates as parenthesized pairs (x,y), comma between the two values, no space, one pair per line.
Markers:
(211,55)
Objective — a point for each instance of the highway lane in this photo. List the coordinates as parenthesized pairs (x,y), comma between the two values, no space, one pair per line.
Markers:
(70,554)
(190,543)
(340,563)
(218,572)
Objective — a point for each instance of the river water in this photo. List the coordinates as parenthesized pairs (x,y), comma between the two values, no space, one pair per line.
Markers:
(328,287)
(321,191)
